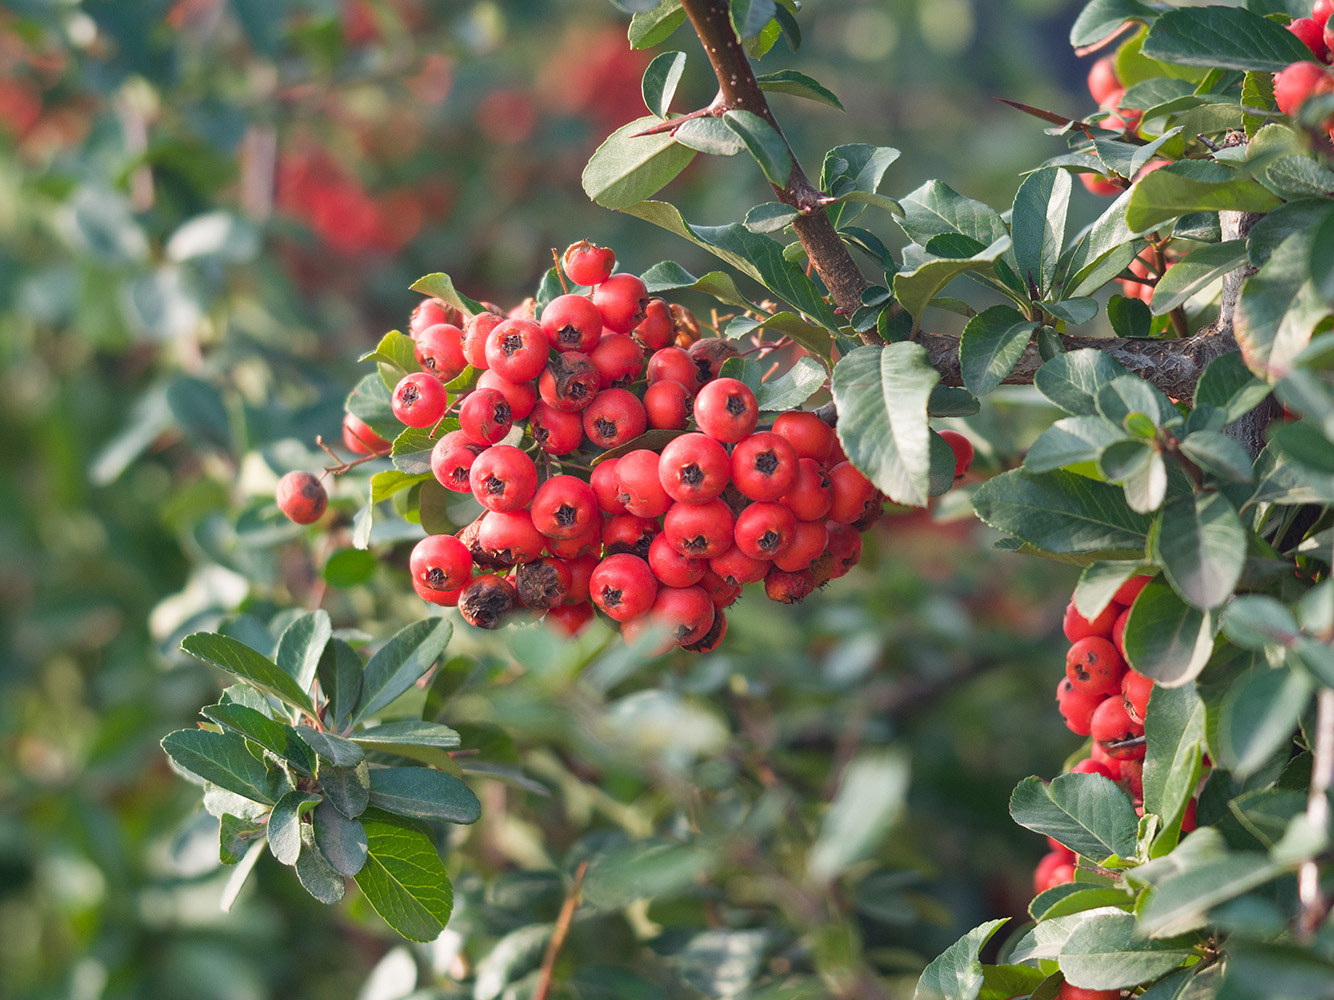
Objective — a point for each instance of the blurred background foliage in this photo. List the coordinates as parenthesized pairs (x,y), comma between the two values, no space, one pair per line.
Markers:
(208,209)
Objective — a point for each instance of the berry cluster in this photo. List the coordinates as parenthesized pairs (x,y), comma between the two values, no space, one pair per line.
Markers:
(1101,697)
(1301,80)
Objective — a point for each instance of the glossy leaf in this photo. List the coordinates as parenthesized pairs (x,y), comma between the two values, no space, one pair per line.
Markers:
(1060,512)
(1229,385)
(936,208)
(302,644)
(650,27)
(916,287)
(1222,37)
(1071,441)
(1174,728)
(348,788)
(339,673)
(796,385)
(1103,18)
(1166,638)
(404,879)
(424,794)
(1087,813)
(993,341)
(1072,381)
(315,873)
(331,747)
(1108,952)
(1278,309)
(1218,455)
(957,973)
(853,168)
(1195,270)
(429,742)
(764,142)
(1168,194)
(340,840)
(441,286)
(790,81)
(278,738)
(627,168)
(1099,582)
(396,666)
(220,758)
(237,658)
(395,356)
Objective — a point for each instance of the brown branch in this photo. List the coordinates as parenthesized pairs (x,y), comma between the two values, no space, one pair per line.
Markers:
(562,928)
(738,90)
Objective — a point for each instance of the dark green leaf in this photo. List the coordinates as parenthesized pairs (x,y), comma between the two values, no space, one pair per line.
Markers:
(952,401)
(284,829)
(750,17)
(1223,37)
(1169,193)
(1129,394)
(770,217)
(335,749)
(429,742)
(957,973)
(411,455)
(278,738)
(340,840)
(441,286)
(1181,901)
(626,169)
(764,142)
(1139,468)
(1037,224)
(404,879)
(1195,270)
(993,341)
(315,873)
(1278,308)
(349,568)
(1229,385)
(239,659)
(1103,18)
(1174,728)
(234,837)
(1278,971)
(852,168)
(302,644)
(1109,952)
(660,81)
(424,794)
(796,385)
(347,788)
(709,135)
(916,287)
(1099,582)
(1202,547)
(1322,260)
(790,81)
(1060,512)
(650,27)
(1218,455)
(936,208)
(1074,897)
(1165,638)
(1072,381)
(1086,812)
(1259,716)
(1129,317)
(1076,312)
(221,758)
(1071,441)
(398,663)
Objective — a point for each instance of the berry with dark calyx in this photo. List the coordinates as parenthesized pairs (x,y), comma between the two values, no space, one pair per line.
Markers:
(671,364)
(542,583)
(439,351)
(809,436)
(1076,706)
(667,405)
(508,537)
(603,482)
(572,323)
(557,432)
(1094,666)
(737,568)
(487,601)
(570,620)
(726,409)
(712,638)
(809,541)
(963,452)
(764,466)
(1293,85)
(485,416)
(517,349)
(564,507)
(812,493)
(570,381)
(671,568)
(723,593)
(452,459)
(1111,728)
(440,562)
(709,355)
(788,588)
(622,299)
(1076,626)
(1312,35)
(686,613)
(475,333)
(618,361)
(764,530)
(419,400)
(614,417)
(503,478)
(1103,83)
(301,497)
(627,533)
(699,530)
(852,494)
(694,468)
(359,438)
(845,545)
(428,313)
(657,329)
(587,263)
(1135,692)
(521,396)
(623,586)
(638,485)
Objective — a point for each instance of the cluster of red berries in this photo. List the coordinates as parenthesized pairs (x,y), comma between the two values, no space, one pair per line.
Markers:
(1301,80)
(1101,697)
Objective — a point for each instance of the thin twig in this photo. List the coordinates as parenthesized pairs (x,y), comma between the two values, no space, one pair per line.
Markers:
(558,934)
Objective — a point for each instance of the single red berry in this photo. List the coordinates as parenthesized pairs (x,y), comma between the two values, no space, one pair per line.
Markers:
(1104,187)
(301,497)
(627,533)
(764,530)
(1320,11)
(811,495)
(623,586)
(508,537)
(1090,766)
(589,543)
(764,466)
(1076,706)
(614,417)
(713,638)
(1128,591)
(618,361)
(569,382)
(419,400)
(699,530)
(587,263)
(622,299)
(694,468)
(517,349)
(809,541)
(963,452)
(1312,35)
(359,438)
(1132,777)
(726,409)
(1135,691)
(475,333)
(671,364)
(656,329)
(1111,726)
(1093,665)
(503,478)
(671,568)
(542,583)
(736,568)
(667,406)
(487,601)
(570,620)
(1076,626)
(1053,869)
(809,436)
(452,458)
(564,507)
(1119,633)
(1112,764)
(845,545)
(1055,845)
(1188,818)
(603,481)
(581,571)
(485,416)
(427,313)
(788,587)
(557,432)
(572,323)
(439,351)
(722,592)
(638,486)
(443,598)
(686,613)
(1069,992)
(1293,85)
(441,562)
(1102,80)
(521,396)
(852,494)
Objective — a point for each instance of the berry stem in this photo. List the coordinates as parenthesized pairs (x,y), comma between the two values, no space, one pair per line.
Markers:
(342,465)
(555,256)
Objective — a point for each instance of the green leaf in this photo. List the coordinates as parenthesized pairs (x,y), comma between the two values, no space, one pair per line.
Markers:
(1278,309)
(441,286)
(1060,512)
(660,81)
(424,794)
(335,749)
(237,879)
(1169,193)
(1195,270)
(411,456)
(1102,252)
(221,758)
(770,217)
(647,869)
(1202,547)
(404,879)
(870,799)
(1218,455)
(790,81)
(1259,716)
(1103,18)
(952,401)
(993,341)
(1321,264)
(340,840)
(1086,812)
(709,135)
(764,142)
(1037,224)
(1184,892)
(1071,441)
(348,789)
(398,663)
(1108,952)
(1166,638)
(915,288)
(1223,37)
(278,738)
(1140,470)
(1228,385)
(1074,897)
(853,168)
(302,644)
(957,973)
(395,356)
(429,742)
(798,384)
(936,208)
(284,829)
(1174,728)
(650,27)
(1072,381)
(1099,582)
(516,953)
(628,168)
(370,401)
(315,873)
(234,836)
(1278,971)
(750,17)
(237,658)
(1125,395)
(1076,312)
(348,568)
(881,395)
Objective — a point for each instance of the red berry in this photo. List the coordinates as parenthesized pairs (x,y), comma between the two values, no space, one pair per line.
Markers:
(427,313)
(475,333)
(809,436)
(542,583)
(811,494)
(587,263)
(1135,691)
(503,478)
(443,598)
(419,400)
(485,416)
(508,537)
(359,438)
(614,417)
(439,351)
(694,468)
(1103,83)
(1111,725)
(671,568)
(557,432)
(764,530)
(963,452)
(569,382)
(1312,35)
(521,396)
(623,586)
(1053,869)
(622,300)
(1076,706)
(1132,776)
(452,459)
(671,364)
(708,355)
(301,497)
(764,466)
(1293,85)
(638,485)
(440,562)
(1077,627)
(685,613)
(666,404)
(564,507)
(1093,665)
(1119,633)
(713,638)
(627,533)
(726,409)
(1068,992)
(570,620)
(1320,11)
(656,329)
(517,349)
(809,541)
(618,361)
(589,543)
(852,494)
(572,323)
(845,546)
(736,568)
(581,571)
(1104,186)
(788,587)
(1188,818)
(722,592)
(487,601)
(699,530)
(1091,766)
(1128,591)
(603,481)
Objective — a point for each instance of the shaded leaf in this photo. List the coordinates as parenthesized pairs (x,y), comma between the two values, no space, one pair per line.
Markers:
(1166,638)
(341,841)
(424,794)
(284,829)
(993,341)
(302,644)
(957,973)
(1202,547)
(278,738)
(1222,37)
(1060,512)
(790,81)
